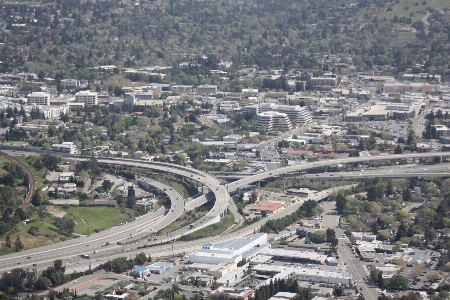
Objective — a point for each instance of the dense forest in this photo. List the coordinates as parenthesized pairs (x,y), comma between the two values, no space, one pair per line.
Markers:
(72,38)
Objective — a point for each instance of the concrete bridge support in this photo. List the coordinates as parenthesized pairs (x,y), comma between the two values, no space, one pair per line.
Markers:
(440,159)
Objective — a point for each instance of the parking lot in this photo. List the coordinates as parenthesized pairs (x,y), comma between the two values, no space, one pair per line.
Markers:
(428,258)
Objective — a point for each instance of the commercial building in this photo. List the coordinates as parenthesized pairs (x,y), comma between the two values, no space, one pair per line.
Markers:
(70,83)
(364,236)
(68,147)
(141,271)
(282,235)
(87,97)
(308,274)
(222,162)
(159,267)
(227,106)
(65,177)
(230,251)
(293,255)
(403,88)
(297,114)
(283,296)
(207,89)
(236,293)
(39,98)
(273,121)
(301,192)
(389,269)
(422,77)
(217,270)
(324,81)
(331,261)
(442,131)
(268,207)
(183,89)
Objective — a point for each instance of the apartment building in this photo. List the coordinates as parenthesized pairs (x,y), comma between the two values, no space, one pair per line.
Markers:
(87,97)
(39,98)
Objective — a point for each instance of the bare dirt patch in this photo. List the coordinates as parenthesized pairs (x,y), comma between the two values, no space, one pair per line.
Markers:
(56,212)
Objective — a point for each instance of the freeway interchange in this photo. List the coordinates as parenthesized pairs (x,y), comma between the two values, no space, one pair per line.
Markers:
(157,220)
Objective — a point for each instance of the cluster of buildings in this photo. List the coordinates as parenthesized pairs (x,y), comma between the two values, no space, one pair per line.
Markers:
(221,261)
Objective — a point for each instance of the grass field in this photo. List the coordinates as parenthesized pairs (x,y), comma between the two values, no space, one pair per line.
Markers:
(88,219)
(216,229)
(35,172)
(47,234)
(180,223)
(405,7)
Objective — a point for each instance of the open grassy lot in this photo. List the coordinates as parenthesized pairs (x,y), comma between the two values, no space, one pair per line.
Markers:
(91,219)
(45,234)
(216,229)
(411,9)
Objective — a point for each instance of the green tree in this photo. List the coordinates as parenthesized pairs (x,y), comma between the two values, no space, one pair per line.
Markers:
(398,149)
(434,276)
(140,258)
(398,282)
(320,236)
(18,244)
(390,187)
(406,194)
(8,241)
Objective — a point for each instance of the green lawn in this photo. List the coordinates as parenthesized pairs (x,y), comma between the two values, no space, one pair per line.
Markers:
(89,219)
(400,11)
(216,229)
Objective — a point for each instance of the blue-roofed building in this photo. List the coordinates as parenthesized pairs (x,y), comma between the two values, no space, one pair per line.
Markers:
(141,271)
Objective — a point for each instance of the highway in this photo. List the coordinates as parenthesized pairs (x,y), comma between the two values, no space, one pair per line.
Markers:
(75,247)
(87,245)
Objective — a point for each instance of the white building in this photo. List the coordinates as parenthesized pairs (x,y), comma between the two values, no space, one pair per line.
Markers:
(308,274)
(229,251)
(68,147)
(39,98)
(227,106)
(71,83)
(87,97)
(442,131)
(273,121)
(297,114)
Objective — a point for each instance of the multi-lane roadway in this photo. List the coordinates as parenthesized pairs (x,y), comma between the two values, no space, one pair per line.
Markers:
(221,193)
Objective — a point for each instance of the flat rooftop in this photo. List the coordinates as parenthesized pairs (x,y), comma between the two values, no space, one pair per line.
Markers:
(268,206)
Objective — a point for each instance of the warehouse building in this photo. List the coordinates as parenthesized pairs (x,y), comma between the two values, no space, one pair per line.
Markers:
(230,251)
(293,255)
(159,267)
(308,274)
